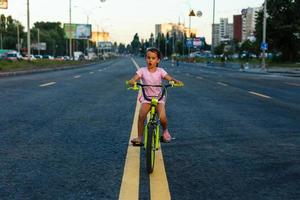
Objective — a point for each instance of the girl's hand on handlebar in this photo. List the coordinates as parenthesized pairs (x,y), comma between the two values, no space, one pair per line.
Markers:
(132,85)
(130,82)
(176,83)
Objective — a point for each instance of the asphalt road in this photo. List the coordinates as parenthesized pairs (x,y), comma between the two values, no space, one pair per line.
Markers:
(64,134)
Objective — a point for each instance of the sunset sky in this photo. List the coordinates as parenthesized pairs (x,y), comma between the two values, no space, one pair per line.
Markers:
(124,18)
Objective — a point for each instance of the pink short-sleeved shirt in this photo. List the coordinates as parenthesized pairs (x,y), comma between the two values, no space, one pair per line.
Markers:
(152,78)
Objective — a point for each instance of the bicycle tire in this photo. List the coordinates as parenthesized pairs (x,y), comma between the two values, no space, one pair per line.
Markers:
(150,148)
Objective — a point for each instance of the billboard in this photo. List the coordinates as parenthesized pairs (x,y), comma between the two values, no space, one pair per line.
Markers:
(105,45)
(39,46)
(195,42)
(78,31)
(3,4)
(199,42)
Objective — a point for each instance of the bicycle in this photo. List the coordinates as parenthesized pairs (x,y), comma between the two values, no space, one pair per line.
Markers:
(151,129)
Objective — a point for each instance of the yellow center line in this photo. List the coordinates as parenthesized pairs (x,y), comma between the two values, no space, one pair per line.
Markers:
(260,95)
(130,182)
(159,188)
(131,176)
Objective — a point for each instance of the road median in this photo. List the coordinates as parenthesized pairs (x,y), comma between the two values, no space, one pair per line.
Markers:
(26,67)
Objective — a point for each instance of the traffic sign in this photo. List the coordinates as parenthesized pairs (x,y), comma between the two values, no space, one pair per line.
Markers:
(189,42)
(264,46)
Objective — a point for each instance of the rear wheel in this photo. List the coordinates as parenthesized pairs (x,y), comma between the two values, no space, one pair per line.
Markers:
(150,148)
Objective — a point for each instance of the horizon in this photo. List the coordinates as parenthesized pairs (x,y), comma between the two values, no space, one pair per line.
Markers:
(119,19)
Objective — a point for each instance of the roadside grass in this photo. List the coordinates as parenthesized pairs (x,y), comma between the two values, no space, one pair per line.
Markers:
(9,66)
(253,61)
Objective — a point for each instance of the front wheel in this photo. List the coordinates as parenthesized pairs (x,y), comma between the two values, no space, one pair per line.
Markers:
(150,148)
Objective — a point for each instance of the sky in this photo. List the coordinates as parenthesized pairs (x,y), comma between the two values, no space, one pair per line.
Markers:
(123,18)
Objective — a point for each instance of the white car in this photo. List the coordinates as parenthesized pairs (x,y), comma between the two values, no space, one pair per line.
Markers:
(30,58)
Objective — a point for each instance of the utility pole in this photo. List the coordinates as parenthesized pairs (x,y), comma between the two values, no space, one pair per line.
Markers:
(191,14)
(1,45)
(213,28)
(38,46)
(70,29)
(263,63)
(18,35)
(87,39)
(28,32)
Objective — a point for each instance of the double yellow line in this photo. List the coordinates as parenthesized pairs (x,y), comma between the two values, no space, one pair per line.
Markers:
(159,187)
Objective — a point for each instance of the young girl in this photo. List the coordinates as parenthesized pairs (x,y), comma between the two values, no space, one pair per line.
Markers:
(152,75)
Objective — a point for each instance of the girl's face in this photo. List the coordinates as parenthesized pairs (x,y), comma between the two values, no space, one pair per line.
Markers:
(152,59)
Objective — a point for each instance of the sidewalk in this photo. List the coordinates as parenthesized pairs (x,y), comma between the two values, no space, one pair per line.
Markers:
(285,71)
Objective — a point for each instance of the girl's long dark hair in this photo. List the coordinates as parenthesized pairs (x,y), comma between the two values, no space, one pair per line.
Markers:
(154,50)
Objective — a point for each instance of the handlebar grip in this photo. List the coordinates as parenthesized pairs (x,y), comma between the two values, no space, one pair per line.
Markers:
(173,84)
(134,87)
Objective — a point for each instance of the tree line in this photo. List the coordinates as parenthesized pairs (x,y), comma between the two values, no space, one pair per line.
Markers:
(51,33)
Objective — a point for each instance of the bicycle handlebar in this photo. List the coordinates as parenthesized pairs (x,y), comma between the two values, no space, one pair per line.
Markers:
(137,86)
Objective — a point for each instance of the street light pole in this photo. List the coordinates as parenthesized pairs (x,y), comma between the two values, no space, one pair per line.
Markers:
(213,28)
(263,64)
(28,31)
(70,28)
(38,46)
(18,35)
(88,40)
(191,14)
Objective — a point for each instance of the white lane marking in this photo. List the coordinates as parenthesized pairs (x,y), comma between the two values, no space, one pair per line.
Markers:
(135,64)
(199,77)
(293,84)
(223,84)
(100,70)
(47,84)
(78,76)
(260,95)
(92,72)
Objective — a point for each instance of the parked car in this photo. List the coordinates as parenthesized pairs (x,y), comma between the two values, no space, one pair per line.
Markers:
(60,58)
(29,58)
(13,56)
(48,57)
(38,56)
(66,58)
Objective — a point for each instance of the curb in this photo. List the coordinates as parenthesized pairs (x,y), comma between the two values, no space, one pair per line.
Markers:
(34,71)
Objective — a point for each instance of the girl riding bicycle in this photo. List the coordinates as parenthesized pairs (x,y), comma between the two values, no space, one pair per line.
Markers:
(152,75)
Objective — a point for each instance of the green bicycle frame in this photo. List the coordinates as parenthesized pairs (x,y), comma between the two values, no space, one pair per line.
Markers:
(153,120)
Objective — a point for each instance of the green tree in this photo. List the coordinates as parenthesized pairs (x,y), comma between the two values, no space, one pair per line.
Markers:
(53,35)
(8,32)
(135,44)
(121,48)
(249,46)
(219,49)
(282,23)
